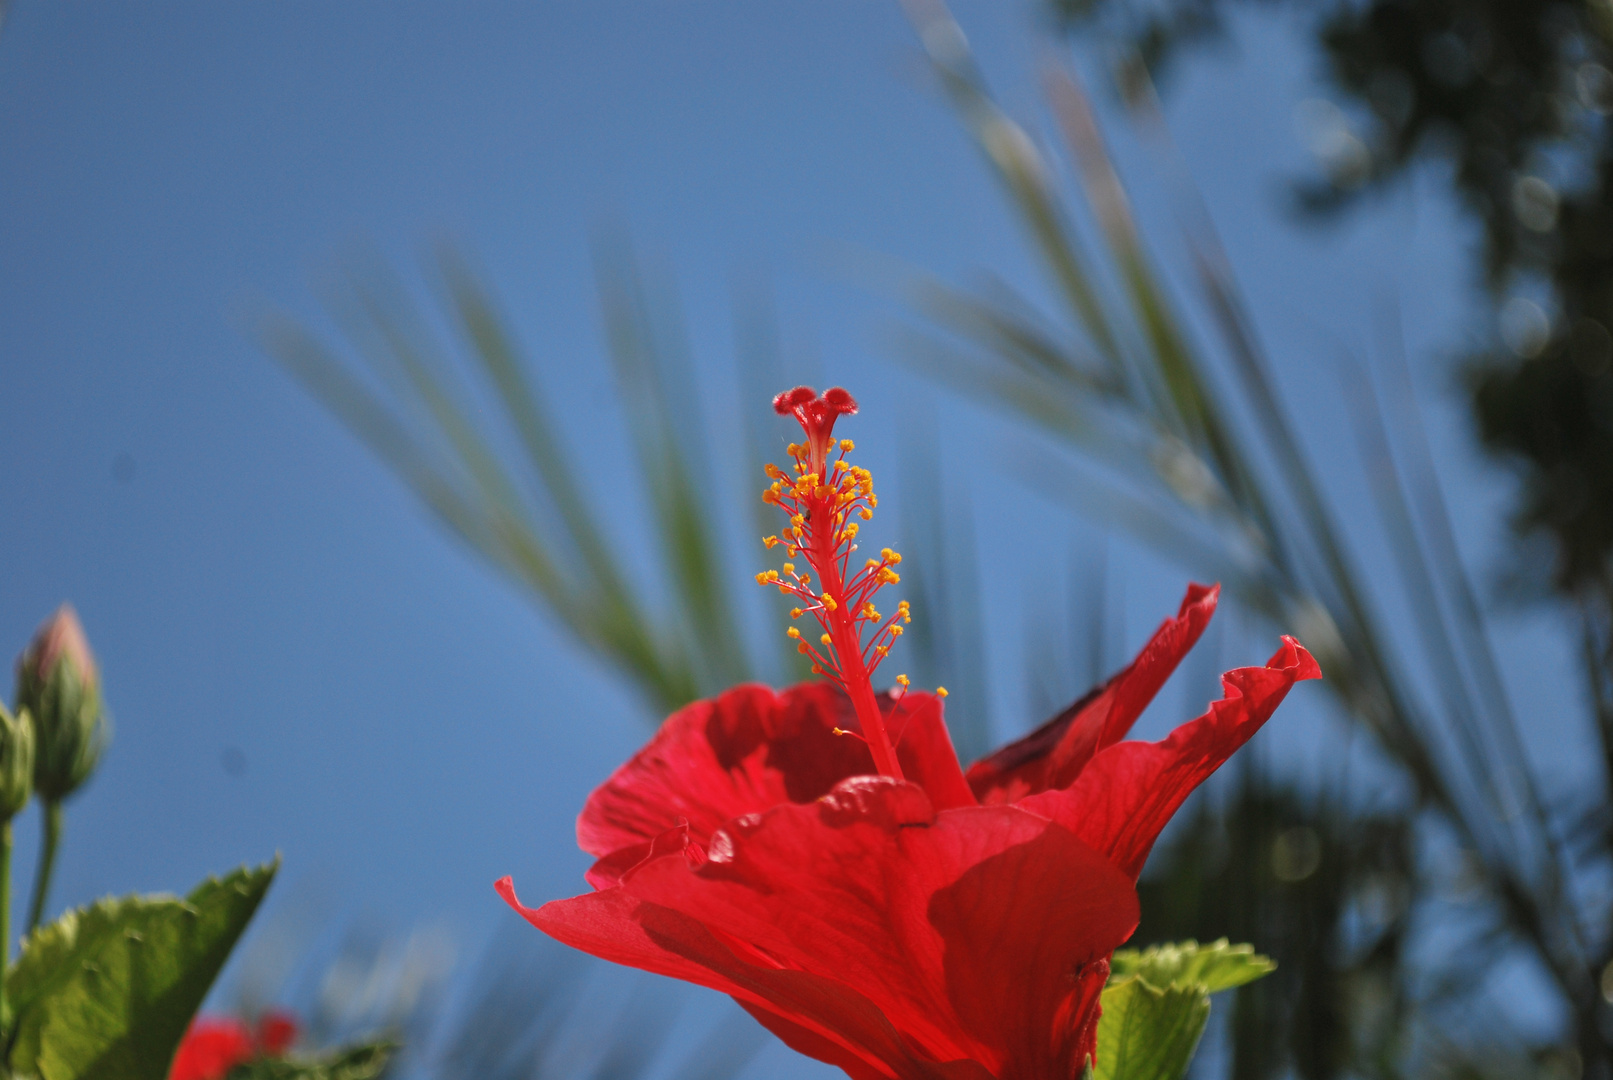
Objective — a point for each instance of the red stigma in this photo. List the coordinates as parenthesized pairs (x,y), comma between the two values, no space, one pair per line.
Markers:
(816,415)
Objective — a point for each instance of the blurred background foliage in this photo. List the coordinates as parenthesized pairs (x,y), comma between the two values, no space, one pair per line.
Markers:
(1398,924)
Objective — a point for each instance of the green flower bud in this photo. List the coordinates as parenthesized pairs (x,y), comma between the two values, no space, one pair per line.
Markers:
(16,762)
(59,687)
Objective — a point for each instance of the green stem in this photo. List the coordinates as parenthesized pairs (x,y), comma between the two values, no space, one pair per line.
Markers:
(5,912)
(47,863)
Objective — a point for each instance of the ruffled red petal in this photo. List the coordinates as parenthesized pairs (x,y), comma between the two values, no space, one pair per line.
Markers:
(1054,754)
(1126,794)
(975,937)
(751,749)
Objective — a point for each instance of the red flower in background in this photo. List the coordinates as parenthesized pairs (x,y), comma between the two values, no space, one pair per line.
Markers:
(215,1045)
(819,854)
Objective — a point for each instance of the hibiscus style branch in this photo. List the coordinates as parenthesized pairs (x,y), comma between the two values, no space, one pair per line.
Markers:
(820,855)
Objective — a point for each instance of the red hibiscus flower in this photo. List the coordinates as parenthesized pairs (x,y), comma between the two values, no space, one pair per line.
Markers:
(819,854)
(215,1045)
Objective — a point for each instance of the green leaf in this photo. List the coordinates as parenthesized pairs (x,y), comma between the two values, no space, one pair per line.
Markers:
(106,991)
(355,1063)
(1147,1033)
(1189,965)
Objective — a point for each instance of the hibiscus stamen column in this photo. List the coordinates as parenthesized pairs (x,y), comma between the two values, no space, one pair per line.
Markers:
(827,499)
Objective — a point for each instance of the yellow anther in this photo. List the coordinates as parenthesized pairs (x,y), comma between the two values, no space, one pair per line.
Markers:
(940,691)
(805,578)
(829,602)
(793,632)
(795,613)
(846,446)
(797,520)
(827,640)
(770,541)
(773,471)
(896,631)
(903,680)
(869,612)
(883,650)
(789,568)
(793,450)
(839,465)
(873,562)
(867,514)
(769,496)
(767,577)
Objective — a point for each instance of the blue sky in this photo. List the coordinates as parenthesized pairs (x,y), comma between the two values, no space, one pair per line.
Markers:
(257,586)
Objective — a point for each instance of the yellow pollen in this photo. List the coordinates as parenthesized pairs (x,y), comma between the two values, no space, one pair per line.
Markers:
(896,631)
(903,680)
(940,691)
(847,446)
(773,472)
(789,568)
(770,541)
(869,612)
(867,514)
(826,639)
(829,602)
(795,613)
(793,450)
(793,632)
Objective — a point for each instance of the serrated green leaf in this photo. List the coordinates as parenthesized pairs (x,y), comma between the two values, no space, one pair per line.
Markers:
(356,1063)
(1147,1033)
(1211,968)
(106,991)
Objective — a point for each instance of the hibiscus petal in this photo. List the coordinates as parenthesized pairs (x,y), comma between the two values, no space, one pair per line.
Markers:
(825,1018)
(978,932)
(609,870)
(1054,754)
(751,749)
(1124,797)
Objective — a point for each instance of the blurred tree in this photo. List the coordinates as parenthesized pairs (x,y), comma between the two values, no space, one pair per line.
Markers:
(1514,95)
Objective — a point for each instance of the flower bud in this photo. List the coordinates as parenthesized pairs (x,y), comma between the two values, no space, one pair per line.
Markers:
(16,762)
(59,687)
